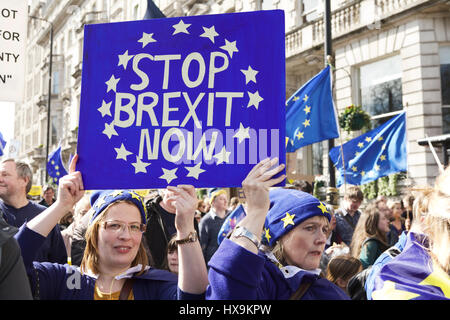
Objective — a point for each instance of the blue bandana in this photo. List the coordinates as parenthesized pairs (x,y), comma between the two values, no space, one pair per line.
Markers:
(102,199)
(289,208)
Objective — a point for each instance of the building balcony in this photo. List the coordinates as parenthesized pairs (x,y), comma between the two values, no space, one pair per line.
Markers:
(347,19)
(91,18)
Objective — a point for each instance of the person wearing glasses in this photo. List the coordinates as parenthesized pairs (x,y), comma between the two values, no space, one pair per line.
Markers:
(115,263)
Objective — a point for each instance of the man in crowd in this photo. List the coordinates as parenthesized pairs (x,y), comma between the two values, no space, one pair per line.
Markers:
(15,182)
(161,226)
(48,196)
(212,222)
(347,215)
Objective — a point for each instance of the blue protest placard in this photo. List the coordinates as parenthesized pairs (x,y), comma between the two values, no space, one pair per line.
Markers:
(193,100)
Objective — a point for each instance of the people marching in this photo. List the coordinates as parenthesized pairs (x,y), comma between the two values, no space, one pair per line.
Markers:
(288,245)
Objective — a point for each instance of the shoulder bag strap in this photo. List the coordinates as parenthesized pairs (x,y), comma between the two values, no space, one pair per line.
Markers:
(297,295)
(126,289)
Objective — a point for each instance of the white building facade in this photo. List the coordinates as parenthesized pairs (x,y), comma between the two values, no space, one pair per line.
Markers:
(389,55)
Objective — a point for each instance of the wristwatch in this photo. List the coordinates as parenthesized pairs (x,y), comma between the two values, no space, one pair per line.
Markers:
(244,232)
(192,237)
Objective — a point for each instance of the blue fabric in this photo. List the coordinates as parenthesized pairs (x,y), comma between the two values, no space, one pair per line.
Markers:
(53,248)
(230,222)
(310,115)
(63,282)
(373,155)
(238,274)
(2,144)
(55,166)
(412,275)
(343,228)
(168,102)
(153,11)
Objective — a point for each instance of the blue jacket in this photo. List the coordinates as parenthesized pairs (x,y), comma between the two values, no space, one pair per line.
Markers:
(237,274)
(53,248)
(55,281)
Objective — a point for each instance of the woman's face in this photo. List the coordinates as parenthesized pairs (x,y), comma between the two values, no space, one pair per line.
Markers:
(303,245)
(383,223)
(118,244)
(397,210)
(172,259)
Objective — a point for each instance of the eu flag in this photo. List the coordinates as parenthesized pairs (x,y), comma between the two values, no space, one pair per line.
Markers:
(55,167)
(412,275)
(2,144)
(230,223)
(310,115)
(375,154)
(153,11)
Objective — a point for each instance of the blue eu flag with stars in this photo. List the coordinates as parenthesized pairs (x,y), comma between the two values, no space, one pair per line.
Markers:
(375,154)
(2,144)
(310,115)
(55,167)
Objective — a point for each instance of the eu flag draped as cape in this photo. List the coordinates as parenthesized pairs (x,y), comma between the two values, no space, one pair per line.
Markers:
(55,167)
(375,154)
(310,115)
(412,275)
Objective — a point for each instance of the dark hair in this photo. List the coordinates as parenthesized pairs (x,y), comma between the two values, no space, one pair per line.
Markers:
(344,267)
(354,193)
(303,185)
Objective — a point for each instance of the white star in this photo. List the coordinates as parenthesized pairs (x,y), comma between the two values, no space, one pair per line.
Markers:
(194,171)
(109,130)
(242,133)
(250,74)
(230,47)
(146,39)
(222,156)
(209,33)
(254,99)
(124,58)
(169,175)
(112,84)
(105,109)
(122,152)
(180,27)
(140,166)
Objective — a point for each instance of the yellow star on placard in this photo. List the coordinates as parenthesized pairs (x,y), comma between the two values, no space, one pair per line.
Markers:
(368,139)
(382,157)
(306,123)
(288,219)
(390,293)
(354,169)
(267,234)
(300,135)
(323,208)
(307,109)
(360,144)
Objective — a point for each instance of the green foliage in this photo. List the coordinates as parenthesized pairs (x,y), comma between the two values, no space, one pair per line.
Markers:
(384,186)
(354,118)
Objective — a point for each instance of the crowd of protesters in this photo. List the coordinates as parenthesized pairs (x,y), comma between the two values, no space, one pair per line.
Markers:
(290,245)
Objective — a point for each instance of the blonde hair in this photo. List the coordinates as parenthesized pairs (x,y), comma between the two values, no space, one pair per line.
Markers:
(91,257)
(436,223)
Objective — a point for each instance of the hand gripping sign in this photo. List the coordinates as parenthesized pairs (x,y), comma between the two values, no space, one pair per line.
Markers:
(193,100)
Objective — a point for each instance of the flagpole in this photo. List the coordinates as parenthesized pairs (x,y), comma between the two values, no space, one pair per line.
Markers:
(328,52)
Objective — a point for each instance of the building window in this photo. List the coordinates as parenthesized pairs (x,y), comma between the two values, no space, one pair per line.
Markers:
(311,10)
(444,56)
(380,89)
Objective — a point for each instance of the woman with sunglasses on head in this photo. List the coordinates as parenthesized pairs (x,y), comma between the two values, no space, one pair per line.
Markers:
(114,264)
